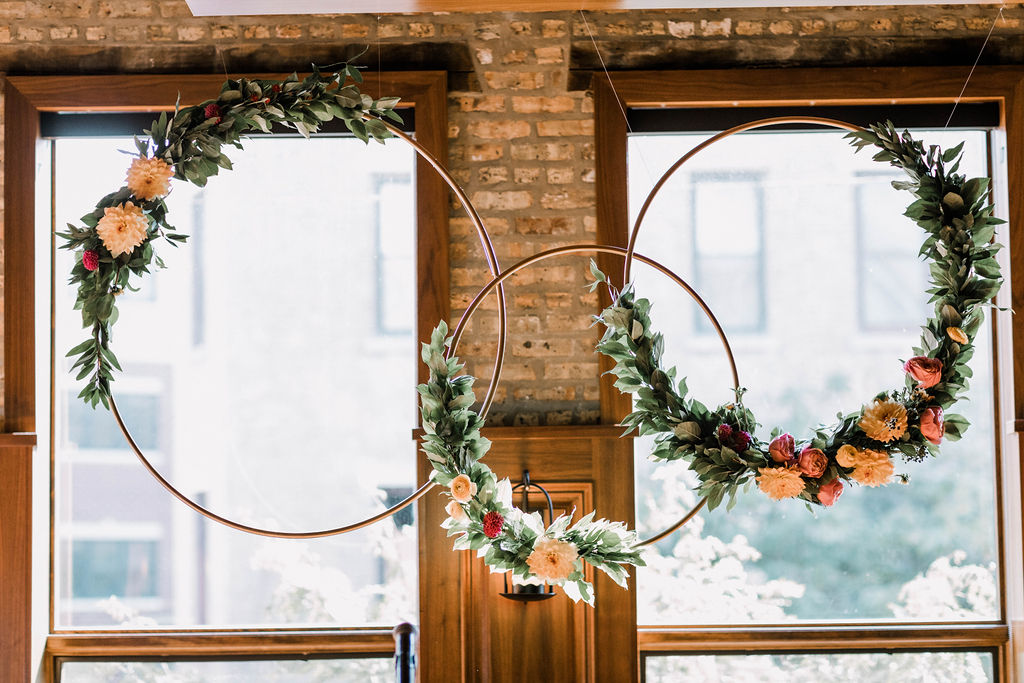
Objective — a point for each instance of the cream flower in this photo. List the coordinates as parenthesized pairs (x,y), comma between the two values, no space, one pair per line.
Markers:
(780,482)
(884,420)
(551,559)
(122,228)
(456,512)
(149,178)
(873,469)
(463,488)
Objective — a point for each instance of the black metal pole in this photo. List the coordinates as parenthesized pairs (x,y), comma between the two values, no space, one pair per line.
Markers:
(405,652)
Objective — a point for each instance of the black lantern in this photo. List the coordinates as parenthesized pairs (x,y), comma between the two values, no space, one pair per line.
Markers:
(530,592)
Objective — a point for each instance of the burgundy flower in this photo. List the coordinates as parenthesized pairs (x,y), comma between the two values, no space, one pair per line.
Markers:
(254,98)
(212,111)
(736,439)
(90,259)
(493,523)
(275,88)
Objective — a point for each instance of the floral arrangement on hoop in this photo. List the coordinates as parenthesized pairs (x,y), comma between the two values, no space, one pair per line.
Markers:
(116,239)
(720,444)
(481,514)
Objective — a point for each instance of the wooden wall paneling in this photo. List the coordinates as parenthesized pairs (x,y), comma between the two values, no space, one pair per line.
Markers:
(16,556)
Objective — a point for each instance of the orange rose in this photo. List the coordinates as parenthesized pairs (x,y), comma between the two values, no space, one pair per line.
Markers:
(830,492)
(927,371)
(812,462)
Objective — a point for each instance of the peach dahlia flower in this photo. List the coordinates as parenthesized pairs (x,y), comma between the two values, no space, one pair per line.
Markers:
(122,228)
(551,559)
(780,482)
(149,178)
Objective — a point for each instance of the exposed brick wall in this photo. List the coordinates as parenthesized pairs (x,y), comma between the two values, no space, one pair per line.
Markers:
(521,121)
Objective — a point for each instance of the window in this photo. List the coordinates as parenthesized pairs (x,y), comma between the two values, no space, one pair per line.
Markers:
(838,275)
(232,435)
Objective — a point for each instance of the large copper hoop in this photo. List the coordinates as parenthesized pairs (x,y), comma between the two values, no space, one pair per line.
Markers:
(493,266)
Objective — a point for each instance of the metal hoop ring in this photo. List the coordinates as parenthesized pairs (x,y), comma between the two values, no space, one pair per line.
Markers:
(493,266)
(605,249)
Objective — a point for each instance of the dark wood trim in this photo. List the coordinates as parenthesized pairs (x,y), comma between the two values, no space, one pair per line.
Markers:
(21,125)
(18,440)
(25,97)
(16,563)
(811,638)
(808,87)
(216,644)
(610,129)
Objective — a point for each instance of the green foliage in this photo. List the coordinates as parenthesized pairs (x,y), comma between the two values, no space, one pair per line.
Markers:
(454,446)
(959,226)
(191,142)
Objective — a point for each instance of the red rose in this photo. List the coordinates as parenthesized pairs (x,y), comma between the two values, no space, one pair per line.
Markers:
(90,259)
(736,439)
(830,492)
(932,425)
(212,111)
(812,462)
(782,448)
(927,371)
(493,523)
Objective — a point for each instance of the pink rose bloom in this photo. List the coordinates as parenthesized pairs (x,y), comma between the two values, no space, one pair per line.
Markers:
(932,425)
(90,259)
(830,492)
(812,462)
(736,439)
(782,448)
(927,371)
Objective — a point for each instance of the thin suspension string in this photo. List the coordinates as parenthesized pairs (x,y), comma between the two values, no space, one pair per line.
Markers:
(618,100)
(974,66)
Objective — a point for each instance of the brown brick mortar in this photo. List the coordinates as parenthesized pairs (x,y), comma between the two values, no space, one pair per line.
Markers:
(521,121)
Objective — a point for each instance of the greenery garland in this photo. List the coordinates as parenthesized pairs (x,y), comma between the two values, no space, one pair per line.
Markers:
(116,239)
(481,514)
(721,445)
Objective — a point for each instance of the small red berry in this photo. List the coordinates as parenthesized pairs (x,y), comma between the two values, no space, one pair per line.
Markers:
(90,259)
(493,523)
(254,98)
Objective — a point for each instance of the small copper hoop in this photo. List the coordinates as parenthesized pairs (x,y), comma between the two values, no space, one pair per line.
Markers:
(493,266)
(605,249)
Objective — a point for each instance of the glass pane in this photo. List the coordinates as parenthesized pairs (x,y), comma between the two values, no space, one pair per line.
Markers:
(873,667)
(259,383)
(926,551)
(378,670)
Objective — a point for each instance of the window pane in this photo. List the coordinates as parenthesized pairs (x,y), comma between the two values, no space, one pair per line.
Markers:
(926,551)
(259,380)
(377,670)
(873,667)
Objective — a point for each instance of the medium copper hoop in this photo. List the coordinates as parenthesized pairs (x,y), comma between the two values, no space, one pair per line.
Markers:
(493,266)
(605,249)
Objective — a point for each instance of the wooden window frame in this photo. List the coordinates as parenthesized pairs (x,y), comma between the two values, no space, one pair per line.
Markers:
(615,93)
(24,99)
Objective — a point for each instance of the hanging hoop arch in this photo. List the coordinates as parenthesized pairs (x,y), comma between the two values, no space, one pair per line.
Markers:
(492,265)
